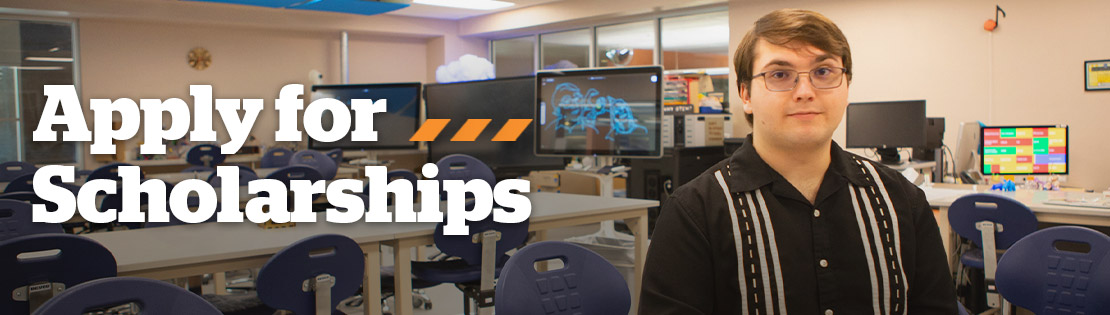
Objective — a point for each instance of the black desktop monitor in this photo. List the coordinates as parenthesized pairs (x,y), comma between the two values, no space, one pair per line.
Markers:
(613,112)
(1024,150)
(498,100)
(886,126)
(395,126)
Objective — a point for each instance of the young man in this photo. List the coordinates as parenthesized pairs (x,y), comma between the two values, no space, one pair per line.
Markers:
(791,222)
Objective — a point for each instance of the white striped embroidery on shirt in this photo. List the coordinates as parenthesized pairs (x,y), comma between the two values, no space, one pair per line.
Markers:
(736,236)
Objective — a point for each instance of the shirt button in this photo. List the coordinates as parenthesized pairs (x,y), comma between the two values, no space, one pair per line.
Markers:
(823,263)
(828,312)
(816,213)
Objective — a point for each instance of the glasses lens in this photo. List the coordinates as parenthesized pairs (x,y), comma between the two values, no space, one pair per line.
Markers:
(826,78)
(781,80)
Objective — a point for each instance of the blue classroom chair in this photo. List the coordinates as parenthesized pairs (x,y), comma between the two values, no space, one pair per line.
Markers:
(1058,270)
(586,284)
(122,294)
(64,261)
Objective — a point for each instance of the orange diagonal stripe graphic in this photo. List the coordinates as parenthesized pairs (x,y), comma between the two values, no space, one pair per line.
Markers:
(512,130)
(429,130)
(470,130)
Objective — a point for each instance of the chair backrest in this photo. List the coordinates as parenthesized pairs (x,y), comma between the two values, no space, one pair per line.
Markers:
(198,169)
(295,172)
(281,279)
(1017,220)
(246,175)
(110,171)
(27,183)
(205,155)
(464,167)
(10,170)
(15,221)
(336,155)
(29,197)
(276,157)
(1048,271)
(76,260)
(152,297)
(397,174)
(317,160)
(21,183)
(587,283)
(513,235)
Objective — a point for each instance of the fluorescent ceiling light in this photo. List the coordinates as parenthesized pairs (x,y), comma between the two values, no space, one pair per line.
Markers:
(49,59)
(467,4)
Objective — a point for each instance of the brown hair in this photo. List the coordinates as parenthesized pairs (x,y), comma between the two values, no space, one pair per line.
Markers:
(784,26)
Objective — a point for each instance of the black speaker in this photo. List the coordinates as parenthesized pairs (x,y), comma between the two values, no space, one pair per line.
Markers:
(657,179)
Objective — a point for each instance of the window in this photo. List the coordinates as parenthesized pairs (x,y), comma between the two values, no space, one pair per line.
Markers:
(514,57)
(695,41)
(570,49)
(35,53)
(628,44)
(695,57)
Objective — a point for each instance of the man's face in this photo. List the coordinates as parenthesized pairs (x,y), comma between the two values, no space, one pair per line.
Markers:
(804,116)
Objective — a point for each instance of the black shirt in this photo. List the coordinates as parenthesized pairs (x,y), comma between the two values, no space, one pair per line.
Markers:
(846,255)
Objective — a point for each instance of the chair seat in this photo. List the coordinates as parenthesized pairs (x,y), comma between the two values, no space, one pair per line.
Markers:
(452,271)
(387,280)
(974,258)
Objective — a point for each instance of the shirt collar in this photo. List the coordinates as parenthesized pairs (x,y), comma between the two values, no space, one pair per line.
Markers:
(751,172)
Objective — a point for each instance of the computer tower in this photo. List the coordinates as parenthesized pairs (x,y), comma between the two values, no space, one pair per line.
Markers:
(934,139)
(657,179)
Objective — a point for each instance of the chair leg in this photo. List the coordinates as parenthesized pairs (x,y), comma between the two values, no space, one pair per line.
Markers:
(466,305)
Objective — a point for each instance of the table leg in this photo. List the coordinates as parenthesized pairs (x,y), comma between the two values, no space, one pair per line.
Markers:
(947,238)
(639,227)
(372,282)
(402,279)
(219,283)
(540,237)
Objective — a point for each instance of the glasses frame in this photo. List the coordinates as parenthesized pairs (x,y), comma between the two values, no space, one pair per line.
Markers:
(796,79)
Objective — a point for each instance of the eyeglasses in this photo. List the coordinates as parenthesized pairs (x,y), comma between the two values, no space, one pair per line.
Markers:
(787,80)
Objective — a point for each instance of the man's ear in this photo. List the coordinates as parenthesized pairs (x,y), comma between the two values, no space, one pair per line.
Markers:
(746,96)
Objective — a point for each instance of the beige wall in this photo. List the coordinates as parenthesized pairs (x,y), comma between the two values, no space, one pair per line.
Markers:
(1027,72)
(137,59)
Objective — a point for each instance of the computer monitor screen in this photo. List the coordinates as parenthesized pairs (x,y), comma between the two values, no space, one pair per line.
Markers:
(1024,150)
(605,112)
(886,124)
(395,126)
(497,100)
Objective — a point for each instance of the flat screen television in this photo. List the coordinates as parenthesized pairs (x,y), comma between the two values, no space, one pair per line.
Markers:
(614,112)
(1024,150)
(395,126)
(497,100)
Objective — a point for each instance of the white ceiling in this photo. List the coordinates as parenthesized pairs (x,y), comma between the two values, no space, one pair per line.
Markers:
(702,33)
(445,13)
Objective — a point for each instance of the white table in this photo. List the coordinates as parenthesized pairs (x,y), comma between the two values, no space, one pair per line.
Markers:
(181,251)
(942,196)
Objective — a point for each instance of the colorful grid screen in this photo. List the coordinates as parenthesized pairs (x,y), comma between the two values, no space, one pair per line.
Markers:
(1025,150)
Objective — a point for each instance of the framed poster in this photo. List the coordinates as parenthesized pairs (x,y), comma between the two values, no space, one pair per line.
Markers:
(1096,75)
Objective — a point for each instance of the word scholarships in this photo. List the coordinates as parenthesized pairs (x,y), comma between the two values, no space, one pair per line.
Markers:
(63,108)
